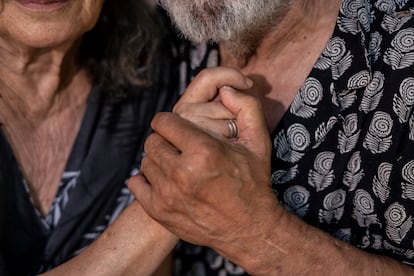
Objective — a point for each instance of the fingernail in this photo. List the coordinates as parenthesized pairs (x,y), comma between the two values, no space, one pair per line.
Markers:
(229,88)
(249,82)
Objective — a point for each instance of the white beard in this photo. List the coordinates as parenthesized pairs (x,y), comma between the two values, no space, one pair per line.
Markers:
(239,24)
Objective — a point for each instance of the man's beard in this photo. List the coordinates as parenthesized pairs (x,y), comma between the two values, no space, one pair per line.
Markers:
(239,24)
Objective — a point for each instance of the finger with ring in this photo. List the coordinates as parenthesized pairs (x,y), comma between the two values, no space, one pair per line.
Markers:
(233,129)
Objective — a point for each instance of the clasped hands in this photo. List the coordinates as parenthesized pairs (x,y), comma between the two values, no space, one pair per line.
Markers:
(203,186)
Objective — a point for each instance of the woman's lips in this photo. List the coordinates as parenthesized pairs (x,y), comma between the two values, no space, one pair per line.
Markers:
(39,2)
(42,5)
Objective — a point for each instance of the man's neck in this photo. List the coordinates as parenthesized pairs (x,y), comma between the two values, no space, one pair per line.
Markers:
(286,56)
(302,19)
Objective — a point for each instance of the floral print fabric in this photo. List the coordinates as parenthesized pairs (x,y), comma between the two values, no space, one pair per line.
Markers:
(343,154)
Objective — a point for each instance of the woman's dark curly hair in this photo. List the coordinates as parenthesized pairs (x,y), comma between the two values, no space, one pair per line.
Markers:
(118,51)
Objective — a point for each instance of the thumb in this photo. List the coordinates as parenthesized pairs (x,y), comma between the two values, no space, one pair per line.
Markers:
(141,189)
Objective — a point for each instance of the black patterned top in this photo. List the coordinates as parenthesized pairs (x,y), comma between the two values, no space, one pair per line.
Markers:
(92,190)
(343,154)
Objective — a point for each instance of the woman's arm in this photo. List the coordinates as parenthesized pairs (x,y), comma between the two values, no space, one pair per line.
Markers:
(133,245)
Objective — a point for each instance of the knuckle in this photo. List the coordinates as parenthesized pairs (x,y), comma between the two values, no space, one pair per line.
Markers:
(204,75)
(144,164)
(183,174)
(186,114)
(149,142)
(178,108)
(181,105)
(169,202)
(161,119)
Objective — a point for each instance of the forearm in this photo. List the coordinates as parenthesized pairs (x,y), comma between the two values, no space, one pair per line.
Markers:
(133,245)
(292,247)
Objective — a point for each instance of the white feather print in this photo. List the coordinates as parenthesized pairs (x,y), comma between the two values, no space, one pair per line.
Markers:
(322,176)
(401,109)
(320,181)
(398,222)
(323,130)
(408,175)
(335,49)
(370,102)
(323,162)
(281,145)
(333,205)
(375,47)
(346,99)
(407,91)
(364,208)
(330,216)
(408,172)
(298,137)
(348,25)
(284,150)
(392,24)
(297,200)
(411,122)
(380,184)
(333,94)
(407,190)
(350,124)
(354,173)
(359,80)
(339,68)
(349,137)
(373,93)
(334,200)
(282,176)
(404,41)
(403,103)
(311,91)
(347,143)
(376,144)
(349,8)
(363,219)
(300,109)
(378,138)
(309,96)
(398,60)
(323,63)
(365,16)
(397,234)
(386,6)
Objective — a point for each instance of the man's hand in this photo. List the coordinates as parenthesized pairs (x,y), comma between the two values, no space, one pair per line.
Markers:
(205,189)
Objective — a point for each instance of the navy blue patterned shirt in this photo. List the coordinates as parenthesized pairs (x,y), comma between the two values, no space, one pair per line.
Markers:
(343,153)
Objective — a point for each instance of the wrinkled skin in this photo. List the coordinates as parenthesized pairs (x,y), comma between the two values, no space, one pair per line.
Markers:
(205,188)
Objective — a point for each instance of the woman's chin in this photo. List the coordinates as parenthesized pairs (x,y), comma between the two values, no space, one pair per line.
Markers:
(42,38)
(46,23)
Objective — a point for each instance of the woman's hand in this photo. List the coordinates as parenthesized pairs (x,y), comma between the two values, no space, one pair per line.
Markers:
(206,189)
(201,102)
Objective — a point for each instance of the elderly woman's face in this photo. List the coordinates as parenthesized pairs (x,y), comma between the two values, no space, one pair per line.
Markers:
(47,23)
